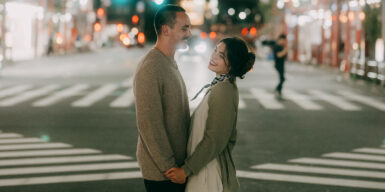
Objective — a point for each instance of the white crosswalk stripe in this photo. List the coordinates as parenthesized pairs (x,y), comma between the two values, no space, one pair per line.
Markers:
(321,170)
(363,99)
(28,95)
(337,101)
(68,168)
(20,140)
(125,100)
(370,150)
(70,159)
(34,146)
(341,163)
(242,103)
(56,97)
(333,167)
(35,153)
(70,178)
(301,100)
(63,163)
(266,99)
(14,90)
(9,135)
(355,156)
(311,180)
(90,96)
(95,96)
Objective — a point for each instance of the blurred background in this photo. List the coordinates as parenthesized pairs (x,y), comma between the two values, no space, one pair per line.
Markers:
(67,110)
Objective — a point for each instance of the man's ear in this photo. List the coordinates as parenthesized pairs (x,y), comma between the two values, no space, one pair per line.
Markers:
(165,30)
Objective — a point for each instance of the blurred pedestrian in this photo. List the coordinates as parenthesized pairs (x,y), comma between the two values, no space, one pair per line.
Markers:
(209,165)
(280,50)
(162,108)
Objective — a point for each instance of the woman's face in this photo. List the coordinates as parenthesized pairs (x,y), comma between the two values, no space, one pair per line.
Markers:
(218,60)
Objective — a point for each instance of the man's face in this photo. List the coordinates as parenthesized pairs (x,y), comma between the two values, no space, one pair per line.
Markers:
(181,30)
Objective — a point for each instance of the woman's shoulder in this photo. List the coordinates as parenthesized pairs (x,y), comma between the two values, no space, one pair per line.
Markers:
(224,90)
(225,86)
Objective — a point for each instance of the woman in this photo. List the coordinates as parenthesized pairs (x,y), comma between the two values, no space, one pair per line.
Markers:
(209,166)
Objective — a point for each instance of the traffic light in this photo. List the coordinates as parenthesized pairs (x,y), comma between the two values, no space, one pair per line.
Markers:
(135,19)
(120,27)
(141,38)
(100,12)
(97,27)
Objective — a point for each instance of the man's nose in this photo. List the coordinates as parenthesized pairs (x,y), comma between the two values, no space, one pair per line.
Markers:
(189,34)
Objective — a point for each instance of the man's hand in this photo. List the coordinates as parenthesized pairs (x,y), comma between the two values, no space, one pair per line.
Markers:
(176,175)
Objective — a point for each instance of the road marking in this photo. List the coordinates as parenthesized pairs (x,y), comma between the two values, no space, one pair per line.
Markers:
(10,135)
(68,168)
(20,140)
(363,99)
(355,156)
(95,96)
(321,170)
(266,99)
(302,100)
(311,180)
(34,146)
(58,96)
(28,95)
(128,82)
(47,152)
(70,178)
(337,101)
(125,100)
(70,159)
(370,150)
(14,90)
(242,103)
(342,163)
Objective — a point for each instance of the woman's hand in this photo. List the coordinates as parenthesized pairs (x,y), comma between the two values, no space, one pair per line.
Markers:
(176,175)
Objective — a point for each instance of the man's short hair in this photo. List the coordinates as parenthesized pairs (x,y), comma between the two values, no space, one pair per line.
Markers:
(282,36)
(166,15)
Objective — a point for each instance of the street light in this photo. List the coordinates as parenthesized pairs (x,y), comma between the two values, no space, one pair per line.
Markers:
(231,11)
(158,2)
(242,15)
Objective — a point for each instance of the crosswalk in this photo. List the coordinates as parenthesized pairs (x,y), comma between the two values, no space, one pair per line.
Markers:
(33,161)
(120,95)
(362,168)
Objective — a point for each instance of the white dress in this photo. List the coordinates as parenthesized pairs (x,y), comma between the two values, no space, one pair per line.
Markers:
(209,177)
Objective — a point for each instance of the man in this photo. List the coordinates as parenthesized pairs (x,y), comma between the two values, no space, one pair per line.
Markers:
(280,52)
(162,108)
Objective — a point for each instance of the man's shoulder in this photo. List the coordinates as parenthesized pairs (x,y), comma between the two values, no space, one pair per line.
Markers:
(153,59)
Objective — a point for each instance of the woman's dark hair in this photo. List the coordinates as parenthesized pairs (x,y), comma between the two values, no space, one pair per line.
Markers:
(240,60)
(166,15)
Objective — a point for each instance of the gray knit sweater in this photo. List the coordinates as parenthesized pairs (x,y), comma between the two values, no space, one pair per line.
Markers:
(162,114)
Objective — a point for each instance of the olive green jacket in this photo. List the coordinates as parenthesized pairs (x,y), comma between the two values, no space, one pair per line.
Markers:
(219,137)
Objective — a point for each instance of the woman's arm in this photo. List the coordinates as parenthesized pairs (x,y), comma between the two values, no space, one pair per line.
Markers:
(220,123)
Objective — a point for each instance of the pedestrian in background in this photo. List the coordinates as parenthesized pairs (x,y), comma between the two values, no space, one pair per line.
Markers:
(280,50)
(162,108)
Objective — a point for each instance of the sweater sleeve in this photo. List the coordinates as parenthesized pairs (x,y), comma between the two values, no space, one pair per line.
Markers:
(150,117)
(219,127)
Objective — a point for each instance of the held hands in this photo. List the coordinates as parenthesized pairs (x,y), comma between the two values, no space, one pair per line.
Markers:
(176,175)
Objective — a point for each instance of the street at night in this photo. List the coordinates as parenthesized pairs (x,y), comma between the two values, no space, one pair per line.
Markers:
(92,96)
(68,124)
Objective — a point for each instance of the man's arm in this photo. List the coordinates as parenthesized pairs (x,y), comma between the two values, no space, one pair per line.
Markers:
(150,117)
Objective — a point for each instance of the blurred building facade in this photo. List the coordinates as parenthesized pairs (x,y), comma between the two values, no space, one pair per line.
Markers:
(33,28)
(345,34)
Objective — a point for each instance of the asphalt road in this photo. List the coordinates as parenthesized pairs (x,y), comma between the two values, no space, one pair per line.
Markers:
(68,124)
